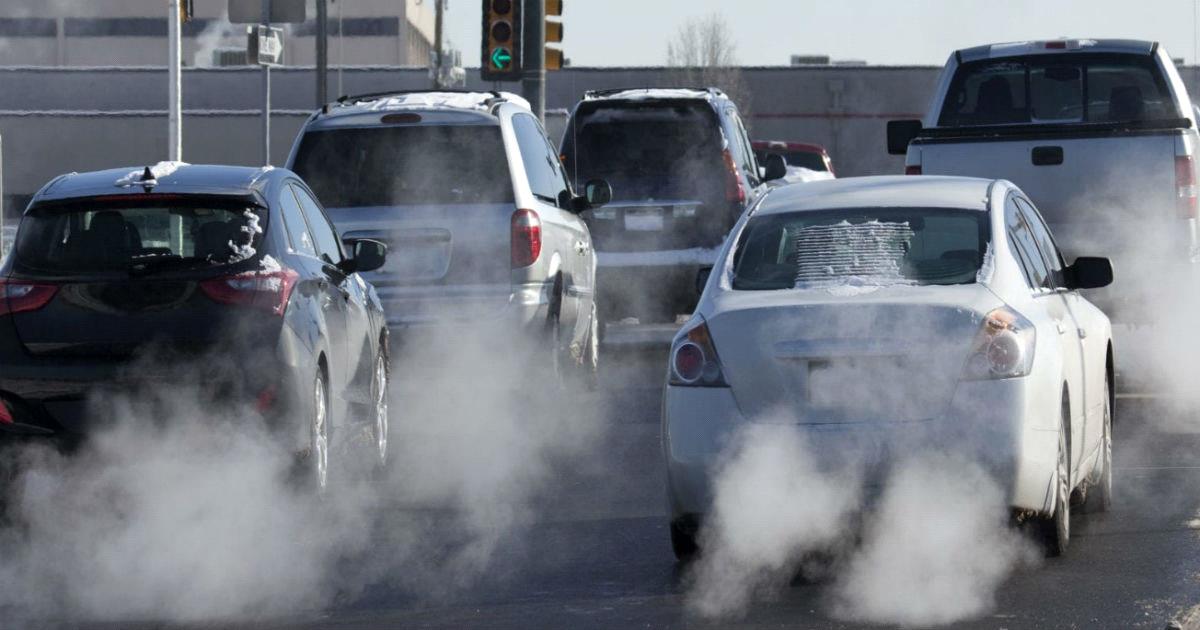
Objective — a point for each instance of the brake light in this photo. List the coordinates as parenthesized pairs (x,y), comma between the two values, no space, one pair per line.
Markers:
(268,290)
(526,238)
(912,169)
(1060,45)
(694,360)
(1185,187)
(266,398)
(5,415)
(1003,348)
(18,297)
(734,190)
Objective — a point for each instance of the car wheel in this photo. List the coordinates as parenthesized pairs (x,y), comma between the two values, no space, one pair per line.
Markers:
(1056,530)
(589,369)
(319,430)
(1099,496)
(379,397)
(683,540)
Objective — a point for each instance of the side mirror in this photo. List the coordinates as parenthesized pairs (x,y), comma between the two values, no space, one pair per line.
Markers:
(900,133)
(596,193)
(775,167)
(1089,273)
(368,255)
(702,275)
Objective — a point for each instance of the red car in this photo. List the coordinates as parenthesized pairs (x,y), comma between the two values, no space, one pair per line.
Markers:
(813,157)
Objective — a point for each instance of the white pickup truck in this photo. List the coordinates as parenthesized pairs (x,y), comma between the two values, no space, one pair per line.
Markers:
(1100,133)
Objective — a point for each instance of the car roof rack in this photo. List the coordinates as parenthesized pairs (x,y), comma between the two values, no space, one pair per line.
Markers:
(610,91)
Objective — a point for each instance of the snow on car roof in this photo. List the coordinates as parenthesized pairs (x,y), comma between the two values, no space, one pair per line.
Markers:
(1056,46)
(633,94)
(475,101)
(892,191)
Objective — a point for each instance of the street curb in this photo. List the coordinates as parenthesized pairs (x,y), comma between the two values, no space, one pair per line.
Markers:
(1186,620)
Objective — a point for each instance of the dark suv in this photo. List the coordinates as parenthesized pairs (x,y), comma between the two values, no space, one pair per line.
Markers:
(682,170)
(226,279)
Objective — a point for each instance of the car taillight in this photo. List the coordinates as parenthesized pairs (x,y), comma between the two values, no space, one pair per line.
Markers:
(17,296)
(694,361)
(269,290)
(912,170)
(734,191)
(6,416)
(526,238)
(1185,187)
(1003,348)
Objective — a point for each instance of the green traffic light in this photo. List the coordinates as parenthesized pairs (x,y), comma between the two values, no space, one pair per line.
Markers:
(501,58)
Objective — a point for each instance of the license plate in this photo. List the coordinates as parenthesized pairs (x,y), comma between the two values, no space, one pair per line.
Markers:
(418,262)
(650,220)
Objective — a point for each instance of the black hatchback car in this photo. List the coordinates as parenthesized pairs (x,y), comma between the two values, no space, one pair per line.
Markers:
(229,278)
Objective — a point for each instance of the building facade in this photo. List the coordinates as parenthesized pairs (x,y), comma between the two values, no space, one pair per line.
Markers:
(91,33)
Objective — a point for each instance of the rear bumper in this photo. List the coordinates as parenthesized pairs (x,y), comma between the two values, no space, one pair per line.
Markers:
(522,305)
(988,422)
(653,287)
(65,399)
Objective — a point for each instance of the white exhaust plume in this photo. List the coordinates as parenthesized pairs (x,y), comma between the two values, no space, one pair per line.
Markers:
(771,507)
(936,549)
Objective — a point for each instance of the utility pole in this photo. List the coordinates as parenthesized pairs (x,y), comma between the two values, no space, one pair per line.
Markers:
(439,61)
(174,82)
(533,77)
(322,52)
(266,89)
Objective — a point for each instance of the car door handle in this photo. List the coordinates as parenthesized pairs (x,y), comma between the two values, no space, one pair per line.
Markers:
(1082,333)
(1062,330)
(1047,156)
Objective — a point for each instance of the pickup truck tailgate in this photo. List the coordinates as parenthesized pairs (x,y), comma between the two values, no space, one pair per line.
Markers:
(1094,192)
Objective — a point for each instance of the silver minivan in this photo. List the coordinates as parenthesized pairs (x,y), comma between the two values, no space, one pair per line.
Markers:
(481,219)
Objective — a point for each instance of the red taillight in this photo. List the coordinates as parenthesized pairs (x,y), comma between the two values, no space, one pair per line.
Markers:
(1185,187)
(17,296)
(1056,45)
(912,170)
(694,360)
(5,415)
(734,191)
(266,399)
(526,238)
(689,362)
(270,290)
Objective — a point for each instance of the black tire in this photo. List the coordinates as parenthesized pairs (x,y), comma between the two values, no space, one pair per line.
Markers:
(683,540)
(316,467)
(380,425)
(1100,492)
(1056,529)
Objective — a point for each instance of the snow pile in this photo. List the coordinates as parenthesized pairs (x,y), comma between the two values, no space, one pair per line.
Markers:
(850,254)
(644,94)
(988,267)
(243,248)
(160,170)
(799,174)
(441,100)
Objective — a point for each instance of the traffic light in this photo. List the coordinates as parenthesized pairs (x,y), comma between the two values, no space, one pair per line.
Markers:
(186,11)
(501,40)
(554,34)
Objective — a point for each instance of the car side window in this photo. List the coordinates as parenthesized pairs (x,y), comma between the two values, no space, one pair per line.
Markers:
(297,227)
(541,162)
(328,244)
(1045,242)
(1023,244)
(743,139)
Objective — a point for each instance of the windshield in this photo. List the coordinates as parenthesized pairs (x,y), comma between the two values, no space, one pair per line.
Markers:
(647,151)
(391,166)
(868,246)
(1097,88)
(84,237)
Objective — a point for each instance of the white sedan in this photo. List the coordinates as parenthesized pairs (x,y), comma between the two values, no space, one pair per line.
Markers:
(880,314)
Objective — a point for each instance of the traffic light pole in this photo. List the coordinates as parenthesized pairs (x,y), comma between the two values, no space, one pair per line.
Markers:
(322,52)
(533,42)
(266,88)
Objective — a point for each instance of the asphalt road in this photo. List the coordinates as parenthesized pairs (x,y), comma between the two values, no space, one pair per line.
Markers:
(597,553)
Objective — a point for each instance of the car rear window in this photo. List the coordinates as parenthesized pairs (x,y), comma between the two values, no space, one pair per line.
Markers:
(406,165)
(1059,88)
(84,237)
(865,247)
(669,150)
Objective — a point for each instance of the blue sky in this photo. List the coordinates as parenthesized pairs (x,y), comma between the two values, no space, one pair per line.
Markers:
(768,32)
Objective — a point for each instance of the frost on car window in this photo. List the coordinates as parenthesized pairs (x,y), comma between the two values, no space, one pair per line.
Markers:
(867,253)
(861,247)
